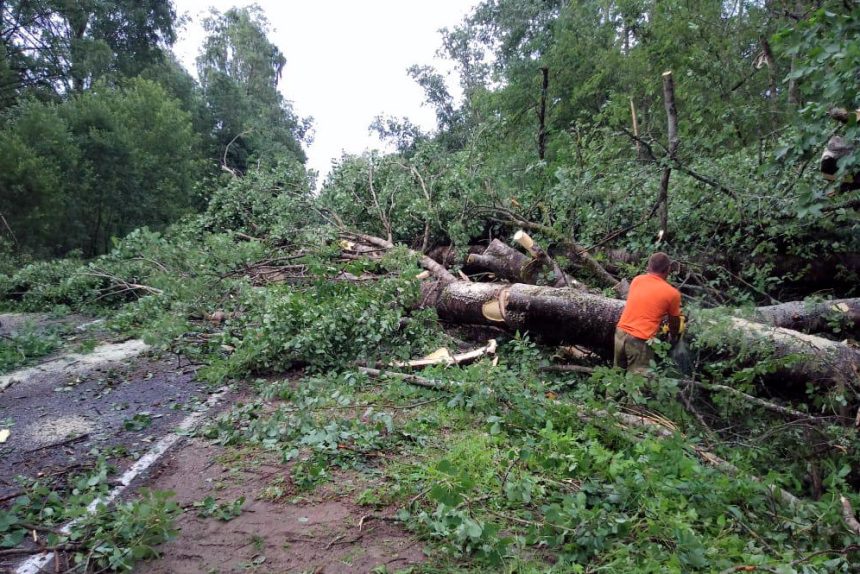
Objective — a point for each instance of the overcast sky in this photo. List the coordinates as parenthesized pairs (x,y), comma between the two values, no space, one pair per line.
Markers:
(346,61)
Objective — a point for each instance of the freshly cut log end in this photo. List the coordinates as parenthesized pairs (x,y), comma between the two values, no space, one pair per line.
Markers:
(525,240)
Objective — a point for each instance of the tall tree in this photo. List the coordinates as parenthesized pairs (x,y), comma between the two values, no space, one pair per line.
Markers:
(58,46)
(239,69)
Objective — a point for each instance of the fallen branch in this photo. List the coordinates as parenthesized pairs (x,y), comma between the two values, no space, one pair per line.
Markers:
(27,551)
(568,369)
(444,357)
(577,252)
(68,441)
(407,378)
(771,406)
(663,428)
(848,515)
(536,251)
(437,270)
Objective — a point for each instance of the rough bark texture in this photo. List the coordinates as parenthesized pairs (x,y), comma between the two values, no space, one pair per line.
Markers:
(506,262)
(573,316)
(672,126)
(836,149)
(812,317)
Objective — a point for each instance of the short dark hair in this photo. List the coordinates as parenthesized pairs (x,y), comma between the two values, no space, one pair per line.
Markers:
(659,263)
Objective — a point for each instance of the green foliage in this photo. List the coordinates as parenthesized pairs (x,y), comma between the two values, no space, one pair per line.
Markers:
(55,47)
(118,538)
(224,511)
(239,69)
(77,171)
(24,346)
(275,203)
(111,539)
(331,325)
(825,58)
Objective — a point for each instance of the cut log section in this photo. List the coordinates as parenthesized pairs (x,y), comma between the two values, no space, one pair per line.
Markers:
(572,316)
(506,263)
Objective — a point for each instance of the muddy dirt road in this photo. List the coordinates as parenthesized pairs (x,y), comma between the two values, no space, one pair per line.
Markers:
(120,401)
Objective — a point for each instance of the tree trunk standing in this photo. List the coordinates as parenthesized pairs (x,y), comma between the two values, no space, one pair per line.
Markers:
(672,120)
(793,89)
(640,156)
(542,113)
(772,71)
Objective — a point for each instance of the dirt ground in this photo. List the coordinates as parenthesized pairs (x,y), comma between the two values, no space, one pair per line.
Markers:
(62,409)
(324,532)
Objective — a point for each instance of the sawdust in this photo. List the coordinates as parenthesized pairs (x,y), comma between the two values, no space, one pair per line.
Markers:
(75,364)
(53,430)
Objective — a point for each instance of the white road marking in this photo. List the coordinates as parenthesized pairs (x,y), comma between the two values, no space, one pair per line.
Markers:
(36,564)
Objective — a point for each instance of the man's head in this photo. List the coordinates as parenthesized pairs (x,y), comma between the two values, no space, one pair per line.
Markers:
(659,264)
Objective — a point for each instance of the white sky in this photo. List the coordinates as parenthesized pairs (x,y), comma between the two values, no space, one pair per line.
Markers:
(346,61)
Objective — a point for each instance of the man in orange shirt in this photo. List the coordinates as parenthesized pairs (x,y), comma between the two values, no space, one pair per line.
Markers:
(649,300)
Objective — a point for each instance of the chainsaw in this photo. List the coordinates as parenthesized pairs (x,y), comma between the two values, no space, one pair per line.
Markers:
(679,353)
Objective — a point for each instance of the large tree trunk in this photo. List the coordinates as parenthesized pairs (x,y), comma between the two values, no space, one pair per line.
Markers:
(812,317)
(575,316)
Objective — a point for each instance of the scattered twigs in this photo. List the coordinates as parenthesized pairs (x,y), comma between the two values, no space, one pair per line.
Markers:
(678,166)
(407,378)
(66,442)
(771,406)
(618,232)
(120,285)
(437,270)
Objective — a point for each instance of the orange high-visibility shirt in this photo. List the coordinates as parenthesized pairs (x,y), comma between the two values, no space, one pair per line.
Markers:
(649,300)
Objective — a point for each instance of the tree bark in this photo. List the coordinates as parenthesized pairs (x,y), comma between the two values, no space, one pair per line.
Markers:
(672,123)
(506,262)
(811,317)
(572,316)
(542,113)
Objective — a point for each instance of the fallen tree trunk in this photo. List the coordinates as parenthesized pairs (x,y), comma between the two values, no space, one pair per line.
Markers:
(811,317)
(572,316)
(507,263)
